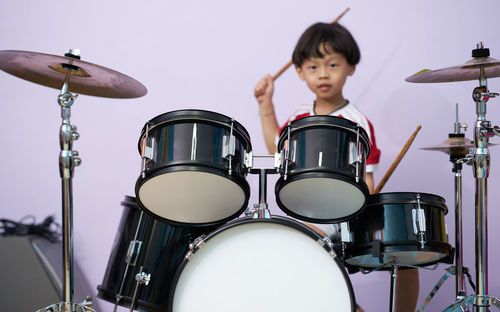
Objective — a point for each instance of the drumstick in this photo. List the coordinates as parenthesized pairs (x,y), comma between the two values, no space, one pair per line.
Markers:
(395,163)
(282,70)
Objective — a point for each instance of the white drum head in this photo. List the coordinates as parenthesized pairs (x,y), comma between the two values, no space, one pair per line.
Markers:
(264,267)
(322,198)
(191,196)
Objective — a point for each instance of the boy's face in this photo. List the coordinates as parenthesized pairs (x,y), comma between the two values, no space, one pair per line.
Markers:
(326,76)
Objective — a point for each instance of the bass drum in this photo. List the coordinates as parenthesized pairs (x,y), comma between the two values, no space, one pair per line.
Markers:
(194,168)
(264,265)
(390,227)
(144,245)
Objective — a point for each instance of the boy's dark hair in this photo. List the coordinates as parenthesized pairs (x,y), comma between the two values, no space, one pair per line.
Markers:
(329,36)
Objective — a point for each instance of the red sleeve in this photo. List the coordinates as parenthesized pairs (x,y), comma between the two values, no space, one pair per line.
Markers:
(296,117)
(374,156)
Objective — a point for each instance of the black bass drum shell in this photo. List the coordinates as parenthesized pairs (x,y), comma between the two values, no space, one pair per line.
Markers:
(162,251)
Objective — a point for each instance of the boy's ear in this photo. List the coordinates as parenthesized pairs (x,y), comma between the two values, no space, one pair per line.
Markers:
(352,70)
(300,72)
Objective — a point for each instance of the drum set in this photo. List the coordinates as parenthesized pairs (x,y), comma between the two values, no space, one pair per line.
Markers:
(187,241)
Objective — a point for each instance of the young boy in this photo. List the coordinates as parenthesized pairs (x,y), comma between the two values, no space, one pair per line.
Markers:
(324,57)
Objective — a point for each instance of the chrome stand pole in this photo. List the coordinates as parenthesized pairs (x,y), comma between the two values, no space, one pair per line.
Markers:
(459,284)
(394,287)
(481,171)
(68,160)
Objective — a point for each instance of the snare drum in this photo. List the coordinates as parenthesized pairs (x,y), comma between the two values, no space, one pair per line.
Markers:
(145,246)
(263,265)
(322,169)
(194,170)
(408,227)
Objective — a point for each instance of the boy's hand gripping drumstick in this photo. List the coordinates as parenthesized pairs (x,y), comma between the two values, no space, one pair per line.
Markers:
(282,70)
(395,163)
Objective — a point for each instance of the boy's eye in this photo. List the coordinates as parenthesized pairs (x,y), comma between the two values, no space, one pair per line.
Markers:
(333,65)
(312,67)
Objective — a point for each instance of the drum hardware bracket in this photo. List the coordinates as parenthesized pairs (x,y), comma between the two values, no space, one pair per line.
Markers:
(133,252)
(419,223)
(261,209)
(325,240)
(345,232)
(195,245)
(229,147)
(142,278)
(286,156)
(147,150)
(248,159)
(358,154)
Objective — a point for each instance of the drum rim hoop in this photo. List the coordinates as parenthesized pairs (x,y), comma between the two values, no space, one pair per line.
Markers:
(274,219)
(306,175)
(440,247)
(243,185)
(178,116)
(324,121)
(403,198)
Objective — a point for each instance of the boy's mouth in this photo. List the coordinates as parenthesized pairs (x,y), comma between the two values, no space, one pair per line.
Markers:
(324,86)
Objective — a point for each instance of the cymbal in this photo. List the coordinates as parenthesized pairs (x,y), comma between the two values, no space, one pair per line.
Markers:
(467,71)
(458,146)
(89,79)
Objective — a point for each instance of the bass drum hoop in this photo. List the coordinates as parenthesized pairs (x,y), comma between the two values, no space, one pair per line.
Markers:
(277,220)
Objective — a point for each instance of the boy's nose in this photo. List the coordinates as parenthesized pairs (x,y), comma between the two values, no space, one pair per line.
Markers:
(323,73)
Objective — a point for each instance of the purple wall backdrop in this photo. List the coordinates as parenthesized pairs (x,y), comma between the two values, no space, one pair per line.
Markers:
(209,55)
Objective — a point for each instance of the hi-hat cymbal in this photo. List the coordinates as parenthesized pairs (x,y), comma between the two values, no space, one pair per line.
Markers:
(467,71)
(50,70)
(453,146)
(457,146)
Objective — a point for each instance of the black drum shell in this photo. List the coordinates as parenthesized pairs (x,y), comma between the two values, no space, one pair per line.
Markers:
(162,251)
(327,134)
(388,219)
(173,135)
(331,137)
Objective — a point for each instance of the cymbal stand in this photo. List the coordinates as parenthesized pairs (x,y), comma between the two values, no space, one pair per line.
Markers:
(68,160)
(481,162)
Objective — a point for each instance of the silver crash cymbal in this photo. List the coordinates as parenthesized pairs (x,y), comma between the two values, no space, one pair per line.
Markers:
(467,71)
(86,78)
